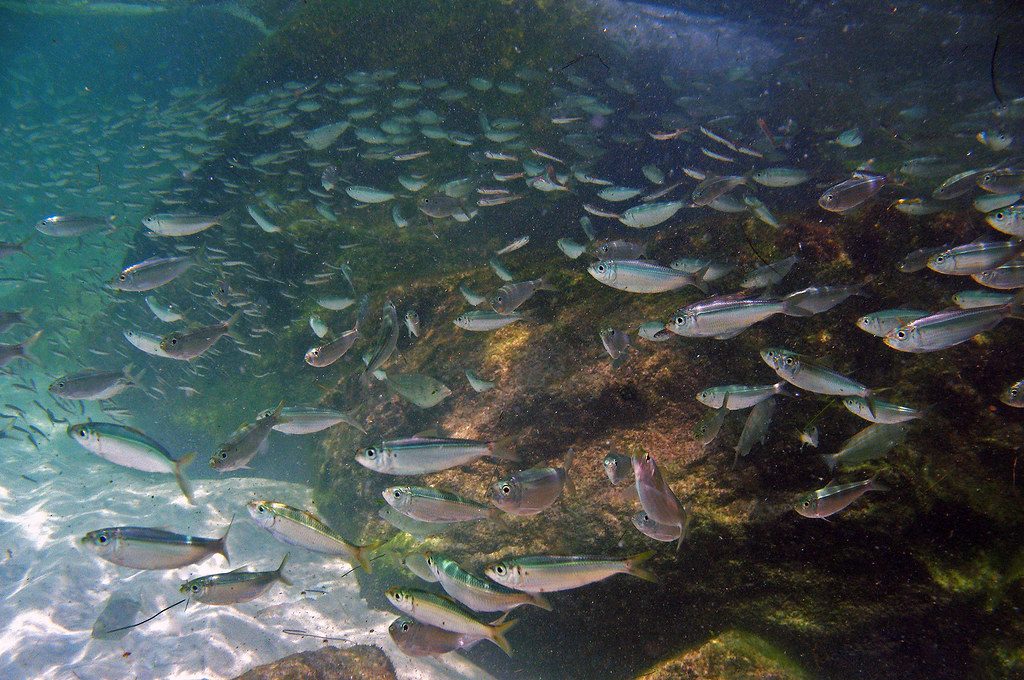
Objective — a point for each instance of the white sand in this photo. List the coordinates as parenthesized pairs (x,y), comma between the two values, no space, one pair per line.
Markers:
(52,589)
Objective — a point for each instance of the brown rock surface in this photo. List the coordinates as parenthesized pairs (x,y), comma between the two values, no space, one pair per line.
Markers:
(361,662)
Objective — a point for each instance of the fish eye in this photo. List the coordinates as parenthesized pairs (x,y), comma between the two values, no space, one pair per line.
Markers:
(600,268)
(174,341)
(396,493)
(829,197)
(499,570)
(261,508)
(122,277)
(194,588)
(223,455)
(102,538)
(498,298)
(680,320)
(940,258)
(61,384)
(1013,392)
(371,453)
(805,504)
(1000,215)
(789,361)
(405,626)
(82,433)
(902,335)
(506,489)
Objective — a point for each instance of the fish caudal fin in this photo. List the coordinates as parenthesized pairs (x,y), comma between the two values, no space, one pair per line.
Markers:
(361,553)
(222,544)
(183,483)
(25,346)
(279,572)
(501,449)
(633,567)
(538,600)
(498,635)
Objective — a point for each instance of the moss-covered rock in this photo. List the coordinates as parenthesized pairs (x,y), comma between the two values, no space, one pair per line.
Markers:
(733,655)
(329,663)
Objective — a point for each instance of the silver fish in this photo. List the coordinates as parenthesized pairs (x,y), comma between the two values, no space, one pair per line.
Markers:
(833,498)
(146,548)
(656,496)
(873,442)
(851,193)
(433,505)
(418,639)
(423,455)
(244,443)
(640,276)
(233,587)
(180,224)
(187,345)
(949,328)
(807,375)
(530,492)
(92,384)
(548,573)
(70,226)
(476,593)
(739,397)
(508,298)
(483,320)
(151,273)
(756,426)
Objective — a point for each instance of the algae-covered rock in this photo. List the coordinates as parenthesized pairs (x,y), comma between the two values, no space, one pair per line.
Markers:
(733,655)
(330,663)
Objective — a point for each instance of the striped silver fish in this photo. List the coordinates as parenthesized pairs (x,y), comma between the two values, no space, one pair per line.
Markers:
(641,276)
(146,548)
(423,455)
(548,573)
(476,593)
(234,586)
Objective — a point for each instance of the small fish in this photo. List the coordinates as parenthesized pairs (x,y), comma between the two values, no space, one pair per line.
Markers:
(387,341)
(780,177)
(510,297)
(833,498)
(849,139)
(974,258)
(726,316)
(808,437)
(666,533)
(809,376)
(616,344)
(739,397)
(548,574)
(413,527)
(88,385)
(476,593)
(187,345)
(130,448)
(477,383)
(500,270)
(244,443)
(641,276)
(770,274)
(335,303)
(472,297)
(150,274)
(714,188)
(235,586)
(423,455)
(483,320)
(620,250)
(618,468)
(708,427)
(433,505)
(146,548)
(310,419)
(514,245)
(443,613)
(1008,220)
(756,427)
(656,496)
(168,313)
(180,224)
(417,564)
(530,492)
(9,320)
(71,226)
(881,323)
(852,193)
(303,529)
(318,326)
(871,443)
(1013,395)
(421,390)
(648,215)
(917,260)
(365,194)
(881,411)
(19,350)
(655,331)
(818,299)
(950,328)
(571,249)
(412,323)
(417,639)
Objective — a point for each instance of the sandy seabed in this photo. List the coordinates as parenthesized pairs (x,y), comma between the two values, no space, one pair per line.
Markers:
(52,589)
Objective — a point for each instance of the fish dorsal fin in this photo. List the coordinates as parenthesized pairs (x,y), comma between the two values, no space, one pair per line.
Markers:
(429,433)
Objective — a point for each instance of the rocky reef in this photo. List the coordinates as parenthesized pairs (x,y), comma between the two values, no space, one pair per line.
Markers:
(328,663)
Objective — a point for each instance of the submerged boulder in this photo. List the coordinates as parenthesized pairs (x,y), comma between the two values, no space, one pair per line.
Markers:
(330,663)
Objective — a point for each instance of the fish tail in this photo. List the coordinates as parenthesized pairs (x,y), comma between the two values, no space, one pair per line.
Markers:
(350,419)
(25,346)
(230,323)
(222,543)
(498,635)
(183,483)
(875,485)
(780,389)
(361,551)
(1016,305)
(500,449)
(498,515)
(830,460)
(790,307)
(544,285)
(633,567)
(279,572)
(698,278)
(538,599)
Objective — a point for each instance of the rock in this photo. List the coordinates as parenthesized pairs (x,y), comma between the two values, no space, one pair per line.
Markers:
(734,655)
(329,663)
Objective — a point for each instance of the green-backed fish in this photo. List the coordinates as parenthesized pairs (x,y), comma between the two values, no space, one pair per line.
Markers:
(548,573)
(873,442)
(476,593)
(423,455)
(245,442)
(433,505)
(187,345)
(641,276)
(443,613)
(146,548)
(303,529)
(130,448)
(833,498)
(798,371)
(235,586)
(739,397)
